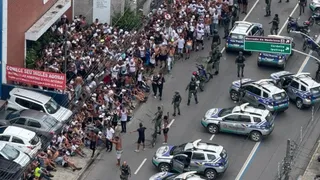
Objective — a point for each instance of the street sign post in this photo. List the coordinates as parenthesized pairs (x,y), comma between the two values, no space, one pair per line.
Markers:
(267,44)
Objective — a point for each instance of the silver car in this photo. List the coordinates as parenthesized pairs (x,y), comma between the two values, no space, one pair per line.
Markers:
(242,120)
(206,158)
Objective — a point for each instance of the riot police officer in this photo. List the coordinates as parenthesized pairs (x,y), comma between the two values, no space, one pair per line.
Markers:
(240,63)
(215,39)
(216,55)
(176,100)
(226,24)
(268,10)
(125,171)
(192,87)
(275,24)
(235,14)
(155,80)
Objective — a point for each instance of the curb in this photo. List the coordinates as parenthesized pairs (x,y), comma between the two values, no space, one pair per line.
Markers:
(312,159)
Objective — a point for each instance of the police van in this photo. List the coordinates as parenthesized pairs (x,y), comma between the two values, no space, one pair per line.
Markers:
(241,29)
(275,59)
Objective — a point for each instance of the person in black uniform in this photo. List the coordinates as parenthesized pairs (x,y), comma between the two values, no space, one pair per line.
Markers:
(245,5)
(192,87)
(160,84)
(240,63)
(215,39)
(154,80)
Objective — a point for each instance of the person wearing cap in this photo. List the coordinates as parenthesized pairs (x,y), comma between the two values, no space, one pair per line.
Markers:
(176,100)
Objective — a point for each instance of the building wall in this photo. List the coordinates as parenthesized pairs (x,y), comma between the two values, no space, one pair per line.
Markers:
(22,14)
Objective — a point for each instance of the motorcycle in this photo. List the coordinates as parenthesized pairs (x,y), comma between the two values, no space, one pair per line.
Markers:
(293,25)
(202,72)
(310,44)
(199,80)
(314,18)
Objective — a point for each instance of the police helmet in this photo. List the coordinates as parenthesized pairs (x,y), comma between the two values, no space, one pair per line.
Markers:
(193,78)
(240,53)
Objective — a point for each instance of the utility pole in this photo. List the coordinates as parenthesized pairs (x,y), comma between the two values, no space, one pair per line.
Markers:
(287,161)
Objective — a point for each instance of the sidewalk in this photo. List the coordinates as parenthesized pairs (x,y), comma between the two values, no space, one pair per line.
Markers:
(313,167)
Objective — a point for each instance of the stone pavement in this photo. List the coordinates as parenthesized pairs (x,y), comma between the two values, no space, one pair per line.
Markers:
(313,167)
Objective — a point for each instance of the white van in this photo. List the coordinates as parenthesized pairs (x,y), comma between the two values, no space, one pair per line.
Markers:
(25,99)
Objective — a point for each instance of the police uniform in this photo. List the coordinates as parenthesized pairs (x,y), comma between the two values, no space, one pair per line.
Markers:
(226,24)
(125,172)
(192,87)
(275,25)
(268,10)
(240,64)
(235,14)
(216,55)
(176,100)
(215,39)
(155,85)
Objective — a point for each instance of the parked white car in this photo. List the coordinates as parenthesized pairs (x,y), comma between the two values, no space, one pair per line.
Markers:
(12,154)
(25,99)
(22,139)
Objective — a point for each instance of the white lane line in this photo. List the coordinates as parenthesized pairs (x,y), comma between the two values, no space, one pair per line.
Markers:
(136,172)
(169,125)
(254,5)
(307,58)
(245,165)
(285,23)
(211,137)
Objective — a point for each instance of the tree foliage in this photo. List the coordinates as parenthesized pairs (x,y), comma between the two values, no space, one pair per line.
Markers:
(128,21)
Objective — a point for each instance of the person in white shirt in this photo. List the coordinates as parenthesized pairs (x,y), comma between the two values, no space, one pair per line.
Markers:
(199,37)
(215,20)
(181,43)
(109,135)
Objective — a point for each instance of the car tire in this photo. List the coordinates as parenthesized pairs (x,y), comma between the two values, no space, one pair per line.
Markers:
(213,128)
(255,136)
(261,107)
(164,167)
(283,66)
(259,64)
(210,174)
(234,95)
(299,103)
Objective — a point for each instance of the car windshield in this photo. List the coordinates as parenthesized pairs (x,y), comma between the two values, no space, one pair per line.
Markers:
(177,149)
(13,115)
(279,96)
(50,121)
(225,111)
(236,36)
(10,152)
(269,117)
(52,106)
(315,90)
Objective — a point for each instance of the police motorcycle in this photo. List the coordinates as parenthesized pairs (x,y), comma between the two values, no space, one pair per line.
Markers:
(293,25)
(314,18)
(200,79)
(311,44)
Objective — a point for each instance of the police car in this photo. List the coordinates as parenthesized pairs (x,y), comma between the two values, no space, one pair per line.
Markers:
(262,94)
(242,120)
(241,29)
(275,59)
(205,158)
(300,87)
(173,176)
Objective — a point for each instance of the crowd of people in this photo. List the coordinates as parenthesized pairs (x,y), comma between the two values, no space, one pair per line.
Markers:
(107,67)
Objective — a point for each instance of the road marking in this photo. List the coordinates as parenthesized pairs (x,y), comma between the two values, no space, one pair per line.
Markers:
(307,58)
(254,5)
(285,23)
(136,172)
(211,137)
(246,164)
(171,123)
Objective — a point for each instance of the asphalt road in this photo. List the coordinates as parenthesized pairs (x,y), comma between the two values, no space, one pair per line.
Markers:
(248,160)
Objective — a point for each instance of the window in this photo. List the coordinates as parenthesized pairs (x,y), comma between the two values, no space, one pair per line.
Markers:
(254,30)
(256,119)
(23,102)
(21,121)
(211,157)
(265,95)
(36,107)
(294,84)
(17,140)
(34,124)
(198,156)
(254,90)
(244,118)
(303,88)
(10,152)
(52,106)
(4,138)
(232,118)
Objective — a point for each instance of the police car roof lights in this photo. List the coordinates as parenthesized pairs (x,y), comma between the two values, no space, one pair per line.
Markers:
(186,174)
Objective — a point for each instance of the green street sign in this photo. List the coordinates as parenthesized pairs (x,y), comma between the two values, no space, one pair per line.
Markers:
(268,44)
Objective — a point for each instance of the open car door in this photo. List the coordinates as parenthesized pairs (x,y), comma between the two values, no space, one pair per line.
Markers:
(180,162)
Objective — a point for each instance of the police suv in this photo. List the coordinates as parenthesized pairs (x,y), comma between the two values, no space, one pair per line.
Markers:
(241,29)
(300,87)
(262,94)
(275,59)
(205,158)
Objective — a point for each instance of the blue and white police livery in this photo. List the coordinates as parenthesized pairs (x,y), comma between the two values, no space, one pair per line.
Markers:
(262,94)
(242,120)
(173,176)
(301,88)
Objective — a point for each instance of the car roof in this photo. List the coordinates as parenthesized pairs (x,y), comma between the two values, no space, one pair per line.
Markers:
(33,114)
(28,94)
(249,110)
(19,132)
(306,79)
(186,174)
(268,85)
(241,27)
(2,144)
(209,147)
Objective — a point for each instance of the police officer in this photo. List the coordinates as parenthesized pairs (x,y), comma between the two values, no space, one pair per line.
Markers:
(275,24)
(155,80)
(125,171)
(235,14)
(302,4)
(268,10)
(215,39)
(240,63)
(226,24)
(158,119)
(176,100)
(192,87)
(210,61)
(216,55)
